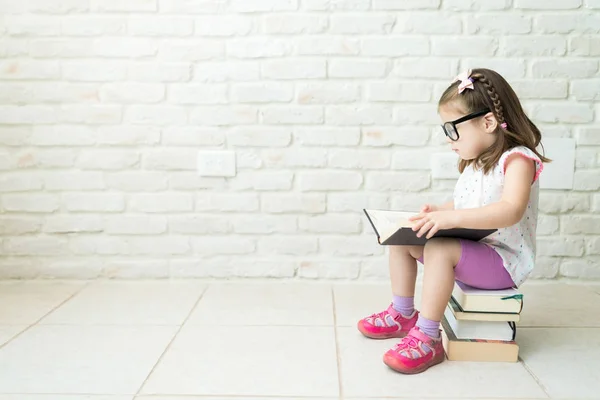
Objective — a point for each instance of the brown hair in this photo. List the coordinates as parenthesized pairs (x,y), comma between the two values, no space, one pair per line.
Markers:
(492,91)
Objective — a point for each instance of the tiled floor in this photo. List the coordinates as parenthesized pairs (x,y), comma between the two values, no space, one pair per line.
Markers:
(170,340)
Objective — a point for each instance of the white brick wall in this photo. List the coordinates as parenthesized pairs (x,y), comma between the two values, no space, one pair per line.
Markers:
(329,105)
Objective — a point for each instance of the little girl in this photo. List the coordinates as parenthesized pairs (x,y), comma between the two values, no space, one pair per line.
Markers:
(498,188)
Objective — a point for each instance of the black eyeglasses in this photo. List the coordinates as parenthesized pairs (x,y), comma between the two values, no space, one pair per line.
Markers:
(450,127)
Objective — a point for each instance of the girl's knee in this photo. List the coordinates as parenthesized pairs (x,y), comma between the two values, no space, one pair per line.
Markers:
(447,248)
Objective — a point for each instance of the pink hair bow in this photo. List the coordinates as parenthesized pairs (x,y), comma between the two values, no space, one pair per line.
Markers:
(465,81)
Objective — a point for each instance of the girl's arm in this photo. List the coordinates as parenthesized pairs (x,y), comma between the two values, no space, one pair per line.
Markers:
(518,176)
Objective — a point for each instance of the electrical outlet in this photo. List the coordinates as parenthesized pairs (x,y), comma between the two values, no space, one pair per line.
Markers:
(216,163)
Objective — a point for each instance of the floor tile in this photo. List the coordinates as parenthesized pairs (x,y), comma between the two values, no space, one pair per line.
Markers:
(248,361)
(364,375)
(62,397)
(229,398)
(355,301)
(560,304)
(70,359)
(7,332)
(130,303)
(266,304)
(565,360)
(24,303)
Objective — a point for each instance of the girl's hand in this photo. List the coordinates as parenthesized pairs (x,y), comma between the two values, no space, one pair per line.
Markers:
(431,222)
(429,208)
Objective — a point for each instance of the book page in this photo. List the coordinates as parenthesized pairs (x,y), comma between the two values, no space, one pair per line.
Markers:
(388,222)
(471,291)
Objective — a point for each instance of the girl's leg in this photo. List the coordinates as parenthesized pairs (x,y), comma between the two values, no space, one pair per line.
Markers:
(403,269)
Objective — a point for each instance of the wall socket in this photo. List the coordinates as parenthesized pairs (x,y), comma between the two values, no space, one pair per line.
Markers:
(216,163)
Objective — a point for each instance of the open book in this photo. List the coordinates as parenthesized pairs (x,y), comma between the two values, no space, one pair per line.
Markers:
(394,228)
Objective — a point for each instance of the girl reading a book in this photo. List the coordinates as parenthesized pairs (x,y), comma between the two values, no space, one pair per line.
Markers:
(498,188)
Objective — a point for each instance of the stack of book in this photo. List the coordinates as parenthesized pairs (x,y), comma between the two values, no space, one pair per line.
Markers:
(480,325)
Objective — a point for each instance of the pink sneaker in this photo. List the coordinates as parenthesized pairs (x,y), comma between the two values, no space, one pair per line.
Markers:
(415,353)
(387,324)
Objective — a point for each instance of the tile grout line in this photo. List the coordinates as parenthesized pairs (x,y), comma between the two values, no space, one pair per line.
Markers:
(137,393)
(535,378)
(337,346)
(48,313)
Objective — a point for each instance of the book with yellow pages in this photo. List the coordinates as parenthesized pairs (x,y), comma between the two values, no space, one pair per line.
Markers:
(394,228)
(470,299)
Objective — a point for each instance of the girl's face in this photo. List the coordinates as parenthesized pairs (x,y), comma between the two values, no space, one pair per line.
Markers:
(474,136)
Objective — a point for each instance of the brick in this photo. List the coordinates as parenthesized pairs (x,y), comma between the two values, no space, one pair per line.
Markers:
(386,136)
(97,244)
(32,26)
(124,135)
(592,246)
(338,5)
(94,202)
(62,135)
(571,69)
(587,180)
(295,158)
(460,46)
(413,202)
(498,24)
(347,136)
(200,225)
(160,246)
(416,114)
(330,223)
(476,5)
(226,25)
(61,48)
(327,46)
(156,115)
(528,46)
(276,203)
(160,26)
(74,181)
(265,92)
(347,245)
(108,159)
(265,224)
(412,160)
(362,24)
(93,25)
(359,115)
(226,268)
(191,50)
(391,91)
(222,245)
(187,135)
(547,225)
(291,68)
(35,246)
(565,113)
(224,115)
(588,136)
(90,114)
(565,24)
(252,6)
(560,203)
(327,93)
(429,67)
(545,268)
(29,114)
(584,46)
(15,93)
(406,4)
(65,92)
(260,137)
(46,158)
(185,180)
(14,136)
(258,48)
(317,269)
(198,94)
(170,159)
(567,246)
(135,225)
(132,93)
(294,24)
(29,70)
(159,72)
(73,224)
(259,181)
(12,7)
(586,90)
(30,202)
(547,5)
(288,245)
(351,202)
(581,268)
(404,181)
(248,158)
(586,158)
(374,268)
(19,225)
(428,23)
(238,71)
(192,6)
(541,89)
(395,46)
(329,180)
(510,68)
(162,203)
(14,47)
(291,115)
(580,224)
(145,269)
(356,68)
(138,181)
(593,4)
(119,6)
(358,159)
(94,71)
(125,47)
(236,202)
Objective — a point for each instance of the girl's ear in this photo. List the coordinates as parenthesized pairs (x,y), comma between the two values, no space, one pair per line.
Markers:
(490,122)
